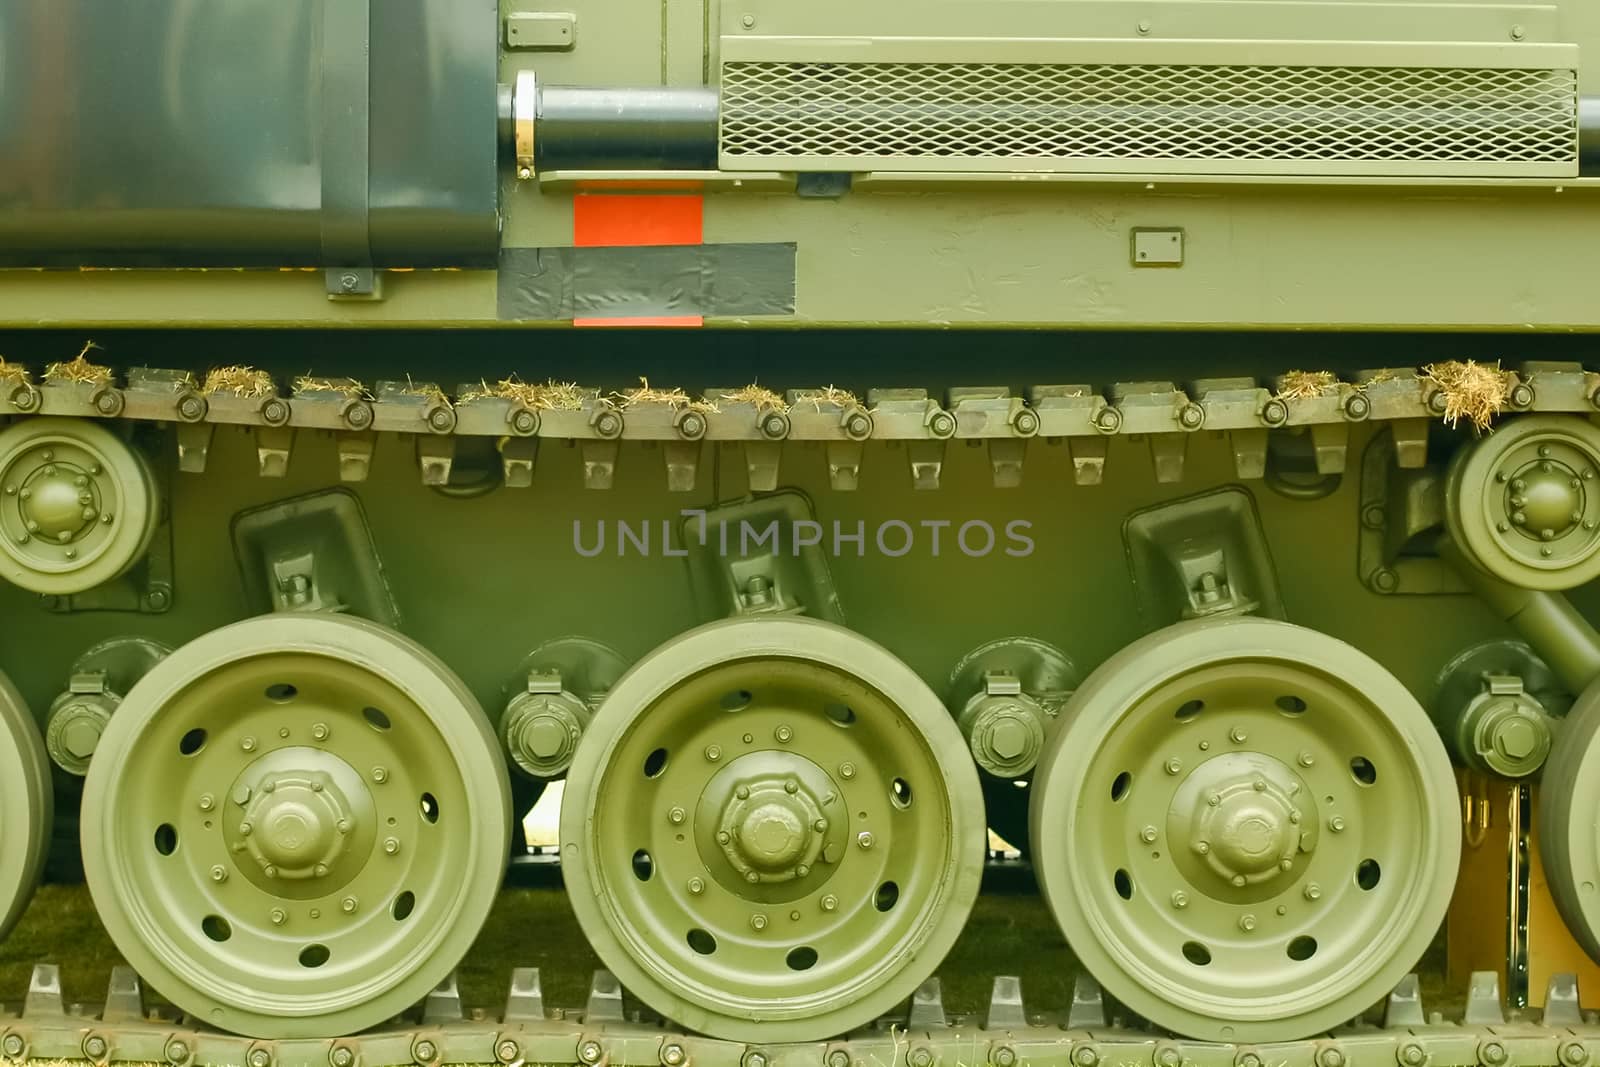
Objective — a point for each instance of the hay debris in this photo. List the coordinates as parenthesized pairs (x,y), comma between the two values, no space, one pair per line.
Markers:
(1305,384)
(346,387)
(79,369)
(248,383)
(758,397)
(551,396)
(828,394)
(13,373)
(677,399)
(1473,391)
(427,391)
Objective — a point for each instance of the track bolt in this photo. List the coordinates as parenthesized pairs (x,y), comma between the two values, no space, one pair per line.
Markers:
(1336,824)
(1085,1056)
(1237,735)
(830,902)
(248,744)
(1573,1054)
(754,1059)
(864,839)
(1180,899)
(380,774)
(319,731)
(589,1051)
(672,1054)
(95,1047)
(1412,1054)
(847,770)
(507,1051)
(1492,1053)
(177,1052)
(207,801)
(1247,1059)
(676,816)
(1174,765)
(1202,847)
(1247,923)
(713,753)
(758,922)
(697,886)
(1148,835)
(391,845)
(278,916)
(783,734)
(838,1058)
(341,1056)
(259,1057)
(13,1045)
(1168,1056)
(1328,1056)
(349,905)
(424,1051)
(219,873)
(920,1057)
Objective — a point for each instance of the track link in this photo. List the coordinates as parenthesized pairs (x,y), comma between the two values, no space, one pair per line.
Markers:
(442,1031)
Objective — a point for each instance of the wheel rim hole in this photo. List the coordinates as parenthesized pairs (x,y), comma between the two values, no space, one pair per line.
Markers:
(1290,705)
(840,714)
(314,955)
(216,928)
(1196,953)
(643,865)
(192,742)
(801,959)
(655,763)
(1302,948)
(282,692)
(1367,874)
(1124,883)
(885,897)
(1120,785)
(1362,770)
(900,793)
(375,718)
(1189,710)
(403,905)
(737,700)
(430,807)
(702,941)
(166,839)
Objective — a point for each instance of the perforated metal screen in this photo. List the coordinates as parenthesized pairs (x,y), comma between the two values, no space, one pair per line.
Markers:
(982,115)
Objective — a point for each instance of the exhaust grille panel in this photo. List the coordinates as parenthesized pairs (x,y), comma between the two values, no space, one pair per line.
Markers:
(1195,118)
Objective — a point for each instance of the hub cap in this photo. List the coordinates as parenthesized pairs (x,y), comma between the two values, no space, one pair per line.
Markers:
(1215,828)
(772,830)
(328,833)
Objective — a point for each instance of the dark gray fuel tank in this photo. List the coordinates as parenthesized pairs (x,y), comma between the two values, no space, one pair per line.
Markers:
(248,133)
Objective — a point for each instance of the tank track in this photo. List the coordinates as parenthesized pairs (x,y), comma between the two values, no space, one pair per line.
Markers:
(1084,416)
(1088,1034)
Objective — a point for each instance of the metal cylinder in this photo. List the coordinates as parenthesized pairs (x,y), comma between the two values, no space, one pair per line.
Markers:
(1589,135)
(577,127)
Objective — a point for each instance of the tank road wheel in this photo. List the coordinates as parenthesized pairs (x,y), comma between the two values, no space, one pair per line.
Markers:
(1247,830)
(25,805)
(1569,818)
(772,830)
(1523,503)
(295,825)
(78,506)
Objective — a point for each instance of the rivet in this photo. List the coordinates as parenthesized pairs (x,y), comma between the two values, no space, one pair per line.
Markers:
(676,816)
(1295,816)
(1286,865)
(748,21)
(1247,923)
(783,734)
(1180,899)
(802,870)
(343,826)
(317,786)
(1144,26)
(713,753)
(1259,785)
(847,770)
(219,873)
(1214,799)
(1238,881)
(820,825)
(791,786)
(758,922)
(269,786)
(864,839)
(752,877)
(1205,746)
(723,837)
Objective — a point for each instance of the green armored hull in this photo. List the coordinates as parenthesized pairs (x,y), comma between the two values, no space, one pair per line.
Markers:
(1247,593)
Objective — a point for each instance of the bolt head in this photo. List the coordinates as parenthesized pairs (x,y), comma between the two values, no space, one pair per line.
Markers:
(755,1059)
(830,902)
(1180,899)
(279,916)
(784,734)
(260,1058)
(508,1051)
(864,839)
(425,1051)
(676,816)
(1085,1056)
(1336,824)
(391,845)
(758,921)
(838,1058)
(12,1045)
(589,1051)
(341,1057)
(1174,765)
(1148,835)
(1312,891)
(95,1046)
(672,1054)
(920,1057)
(847,770)
(219,873)
(1247,923)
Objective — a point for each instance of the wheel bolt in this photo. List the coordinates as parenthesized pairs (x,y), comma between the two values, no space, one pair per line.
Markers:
(1336,824)
(820,825)
(207,801)
(219,873)
(1247,923)
(391,845)
(830,902)
(672,1054)
(758,922)
(713,753)
(1180,899)
(424,1051)
(380,774)
(95,1047)
(696,886)
(320,731)
(783,734)
(349,905)
(270,871)
(847,770)
(341,1057)
(791,787)
(507,1050)
(723,837)
(1202,847)
(589,1051)
(279,916)
(1237,735)
(864,839)
(1174,765)
(1148,834)
(676,816)
(248,744)
(12,1045)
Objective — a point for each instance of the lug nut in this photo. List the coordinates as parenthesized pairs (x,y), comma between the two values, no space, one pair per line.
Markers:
(1312,891)
(784,735)
(380,774)
(1174,765)
(1336,824)
(1180,899)
(713,753)
(847,770)
(207,801)
(320,731)
(864,839)
(1148,835)
(1247,923)
(1237,735)
(696,886)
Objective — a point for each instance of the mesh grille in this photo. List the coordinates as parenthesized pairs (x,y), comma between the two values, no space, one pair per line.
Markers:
(883,112)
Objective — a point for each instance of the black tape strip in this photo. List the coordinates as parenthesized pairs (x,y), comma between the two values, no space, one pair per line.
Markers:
(556,284)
